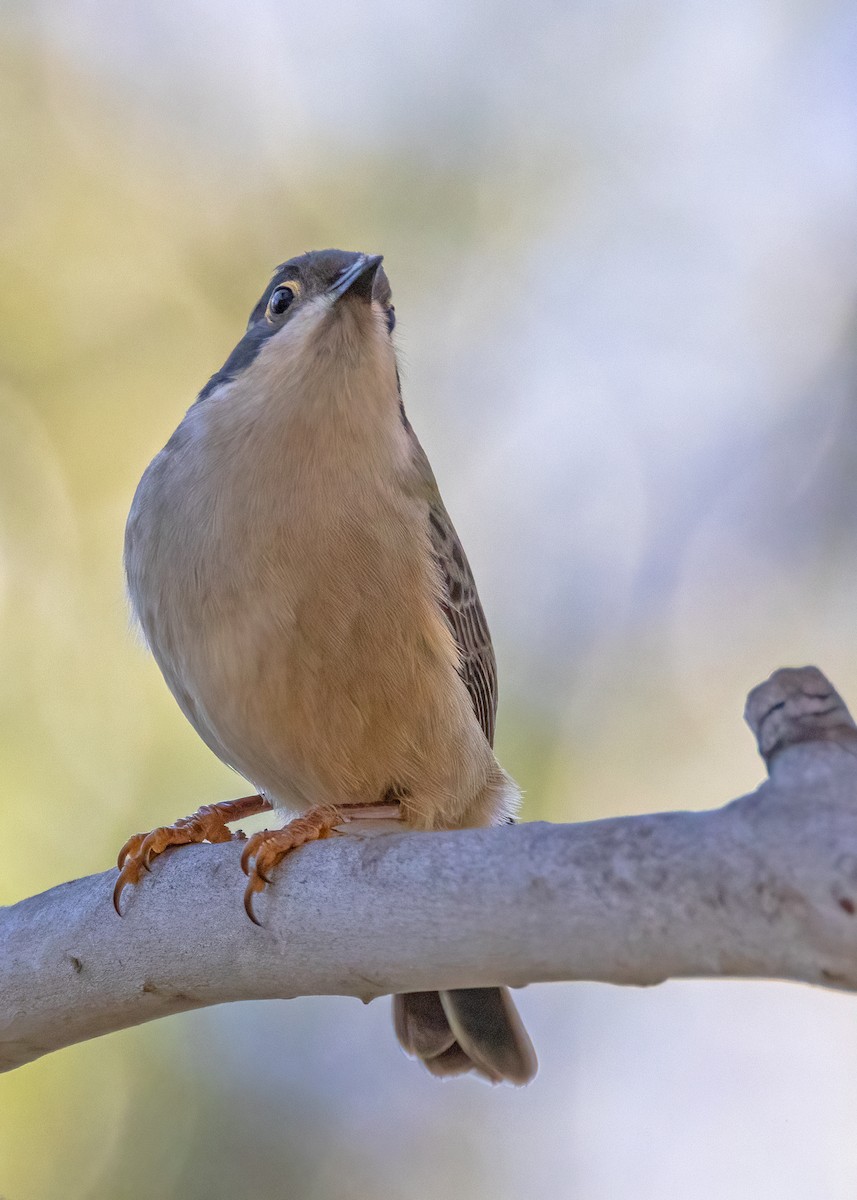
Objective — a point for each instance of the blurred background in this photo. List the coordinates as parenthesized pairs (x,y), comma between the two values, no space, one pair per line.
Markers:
(621,239)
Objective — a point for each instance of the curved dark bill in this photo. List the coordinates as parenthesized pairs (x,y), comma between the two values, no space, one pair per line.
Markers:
(357,280)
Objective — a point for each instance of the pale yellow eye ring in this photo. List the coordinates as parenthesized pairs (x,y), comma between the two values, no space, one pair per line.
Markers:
(281,299)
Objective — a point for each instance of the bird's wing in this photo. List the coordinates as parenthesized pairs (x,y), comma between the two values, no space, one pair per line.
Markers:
(460,603)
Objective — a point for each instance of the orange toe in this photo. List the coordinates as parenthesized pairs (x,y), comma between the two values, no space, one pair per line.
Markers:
(265,849)
(207,824)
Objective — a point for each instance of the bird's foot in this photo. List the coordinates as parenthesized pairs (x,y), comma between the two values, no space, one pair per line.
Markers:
(266,848)
(207,824)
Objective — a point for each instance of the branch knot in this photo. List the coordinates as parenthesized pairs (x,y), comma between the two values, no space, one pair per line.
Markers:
(797,704)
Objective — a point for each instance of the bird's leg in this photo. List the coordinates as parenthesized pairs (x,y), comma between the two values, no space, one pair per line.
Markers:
(265,849)
(207,824)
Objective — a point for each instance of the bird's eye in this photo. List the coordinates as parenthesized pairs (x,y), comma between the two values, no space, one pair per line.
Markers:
(281,298)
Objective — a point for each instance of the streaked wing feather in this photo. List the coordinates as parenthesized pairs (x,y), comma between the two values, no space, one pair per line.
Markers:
(459,600)
(466,619)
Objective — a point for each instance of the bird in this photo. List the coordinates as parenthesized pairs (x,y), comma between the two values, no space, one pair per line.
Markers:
(304,593)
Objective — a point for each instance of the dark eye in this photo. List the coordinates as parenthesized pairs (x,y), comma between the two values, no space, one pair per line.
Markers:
(281,298)
(391,319)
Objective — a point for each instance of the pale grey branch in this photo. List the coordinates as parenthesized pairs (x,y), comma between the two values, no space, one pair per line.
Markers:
(765,887)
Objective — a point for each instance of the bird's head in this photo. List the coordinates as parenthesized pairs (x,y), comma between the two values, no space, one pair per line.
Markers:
(323,325)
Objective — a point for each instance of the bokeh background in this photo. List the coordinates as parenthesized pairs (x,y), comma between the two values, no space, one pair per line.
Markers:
(622,245)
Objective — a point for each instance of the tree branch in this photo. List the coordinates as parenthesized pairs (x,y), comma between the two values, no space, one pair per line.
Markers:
(766,886)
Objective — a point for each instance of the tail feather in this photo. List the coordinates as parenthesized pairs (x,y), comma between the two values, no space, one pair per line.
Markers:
(421,1025)
(469,1029)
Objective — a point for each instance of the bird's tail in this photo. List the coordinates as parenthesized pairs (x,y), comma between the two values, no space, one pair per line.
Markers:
(470,1029)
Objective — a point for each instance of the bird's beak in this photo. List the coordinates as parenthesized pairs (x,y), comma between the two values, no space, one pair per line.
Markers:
(358,279)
